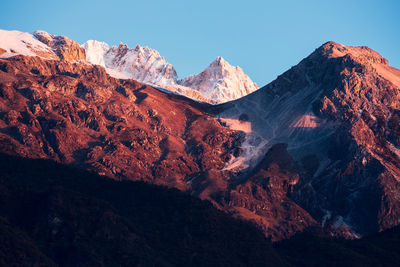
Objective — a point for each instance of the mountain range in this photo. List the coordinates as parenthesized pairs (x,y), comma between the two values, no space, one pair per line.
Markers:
(315,151)
(220,82)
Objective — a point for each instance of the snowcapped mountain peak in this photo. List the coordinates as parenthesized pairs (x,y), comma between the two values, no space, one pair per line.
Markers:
(219,61)
(223,64)
(43,33)
(138,48)
(218,83)
(140,63)
(22,43)
(221,81)
(41,44)
(95,43)
(122,48)
(95,51)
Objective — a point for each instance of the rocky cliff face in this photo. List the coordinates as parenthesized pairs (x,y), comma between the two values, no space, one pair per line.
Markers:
(337,112)
(65,48)
(76,113)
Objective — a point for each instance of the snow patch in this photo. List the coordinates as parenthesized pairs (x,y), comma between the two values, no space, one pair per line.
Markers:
(95,52)
(22,43)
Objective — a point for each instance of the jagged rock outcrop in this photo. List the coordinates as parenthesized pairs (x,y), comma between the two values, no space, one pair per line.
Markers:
(65,48)
(266,192)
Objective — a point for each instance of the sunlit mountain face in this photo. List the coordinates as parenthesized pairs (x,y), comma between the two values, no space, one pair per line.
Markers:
(218,83)
(314,155)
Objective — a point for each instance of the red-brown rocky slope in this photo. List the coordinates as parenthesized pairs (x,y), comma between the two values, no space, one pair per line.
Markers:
(75,113)
(338,112)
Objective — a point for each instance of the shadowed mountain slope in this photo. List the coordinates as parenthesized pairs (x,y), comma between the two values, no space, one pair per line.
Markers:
(55,213)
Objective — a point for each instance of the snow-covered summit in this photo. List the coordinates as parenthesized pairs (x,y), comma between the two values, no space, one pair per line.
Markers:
(95,51)
(22,43)
(140,63)
(41,44)
(219,83)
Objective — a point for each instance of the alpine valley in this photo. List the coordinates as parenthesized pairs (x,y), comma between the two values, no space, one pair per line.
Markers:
(216,169)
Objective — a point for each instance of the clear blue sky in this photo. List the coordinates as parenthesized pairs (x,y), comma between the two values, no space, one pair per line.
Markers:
(265,38)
